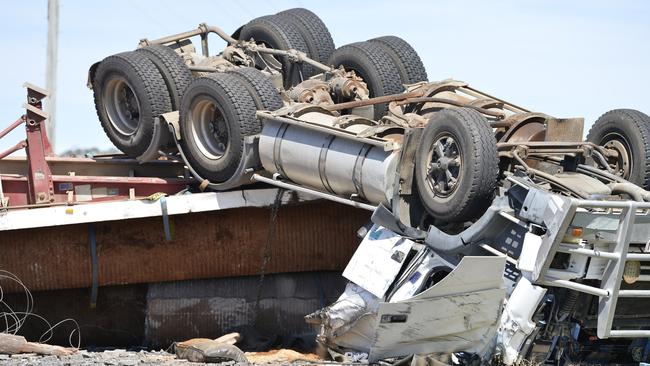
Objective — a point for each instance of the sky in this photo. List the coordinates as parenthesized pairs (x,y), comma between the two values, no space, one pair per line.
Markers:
(563,58)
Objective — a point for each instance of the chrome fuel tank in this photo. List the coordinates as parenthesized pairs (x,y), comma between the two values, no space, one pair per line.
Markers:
(329,162)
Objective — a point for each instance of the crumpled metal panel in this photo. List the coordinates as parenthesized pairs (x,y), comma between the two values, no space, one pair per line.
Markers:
(467,305)
(309,237)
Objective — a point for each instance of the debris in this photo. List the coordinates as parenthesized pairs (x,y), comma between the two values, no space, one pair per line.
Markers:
(348,357)
(210,350)
(280,356)
(349,310)
(468,299)
(230,338)
(13,344)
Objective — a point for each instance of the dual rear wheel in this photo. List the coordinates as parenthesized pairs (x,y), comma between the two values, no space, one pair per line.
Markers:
(217,114)
(132,88)
(625,133)
(386,64)
(129,93)
(297,29)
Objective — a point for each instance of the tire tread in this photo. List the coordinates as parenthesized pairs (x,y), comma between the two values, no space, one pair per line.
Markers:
(642,123)
(266,95)
(291,39)
(315,32)
(484,169)
(154,86)
(406,56)
(180,76)
(241,104)
(383,67)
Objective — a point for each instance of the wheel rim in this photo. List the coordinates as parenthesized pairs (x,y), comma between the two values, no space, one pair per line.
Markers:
(209,129)
(274,62)
(622,162)
(444,165)
(122,106)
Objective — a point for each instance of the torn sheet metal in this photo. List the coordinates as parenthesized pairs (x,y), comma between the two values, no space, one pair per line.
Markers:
(425,267)
(377,260)
(467,305)
(516,323)
(463,322)
(467,298)
(355,308)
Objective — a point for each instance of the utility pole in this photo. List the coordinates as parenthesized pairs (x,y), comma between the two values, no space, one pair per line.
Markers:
(50,72)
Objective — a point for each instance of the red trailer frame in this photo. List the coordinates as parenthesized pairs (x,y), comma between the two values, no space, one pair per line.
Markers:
(34,182)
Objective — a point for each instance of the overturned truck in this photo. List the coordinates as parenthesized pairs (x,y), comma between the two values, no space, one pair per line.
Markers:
(496,232)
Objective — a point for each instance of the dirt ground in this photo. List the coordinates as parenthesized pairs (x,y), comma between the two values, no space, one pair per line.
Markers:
(107,358)
(152,358)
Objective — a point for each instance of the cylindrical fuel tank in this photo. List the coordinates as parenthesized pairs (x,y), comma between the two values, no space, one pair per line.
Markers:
(328,163)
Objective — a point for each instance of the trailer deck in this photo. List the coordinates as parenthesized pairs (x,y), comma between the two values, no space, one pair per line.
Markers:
(106,220)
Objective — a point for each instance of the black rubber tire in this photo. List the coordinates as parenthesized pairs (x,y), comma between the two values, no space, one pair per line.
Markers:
(260,87)
(477,179)
(370,62)
(315,33)
(278,32)
(149,87)
(634,127)
(173,69)
(405,57)
(229,93)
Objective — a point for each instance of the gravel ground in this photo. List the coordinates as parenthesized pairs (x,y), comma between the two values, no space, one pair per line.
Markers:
(108,358)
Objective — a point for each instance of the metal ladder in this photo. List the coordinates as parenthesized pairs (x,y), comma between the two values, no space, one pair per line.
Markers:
(610,287)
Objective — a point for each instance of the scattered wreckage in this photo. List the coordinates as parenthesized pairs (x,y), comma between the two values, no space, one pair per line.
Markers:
(457,213)
(498,232)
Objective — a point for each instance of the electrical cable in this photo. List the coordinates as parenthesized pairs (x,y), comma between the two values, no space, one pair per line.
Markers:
(15,320)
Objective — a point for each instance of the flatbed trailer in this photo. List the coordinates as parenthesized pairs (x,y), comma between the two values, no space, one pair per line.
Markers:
(83,222)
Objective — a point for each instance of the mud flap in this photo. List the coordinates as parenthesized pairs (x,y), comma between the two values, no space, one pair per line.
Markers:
(161,137)
(249,163)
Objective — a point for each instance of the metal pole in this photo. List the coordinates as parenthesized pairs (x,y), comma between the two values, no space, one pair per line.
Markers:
(50,74)
(327,196)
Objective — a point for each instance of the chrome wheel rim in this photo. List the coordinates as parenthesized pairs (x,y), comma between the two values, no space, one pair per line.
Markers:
(444,166)
(122,106)
(209,129)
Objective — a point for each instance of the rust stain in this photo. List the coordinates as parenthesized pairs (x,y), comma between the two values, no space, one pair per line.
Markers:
(310,237)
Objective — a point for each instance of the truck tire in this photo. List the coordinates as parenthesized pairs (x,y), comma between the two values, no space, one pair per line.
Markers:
(315,33)
(260,87)
(129,93)
(628,132)
(217,112)
(173,69)
(456,165)
(405,57)
(278,32)
(370,62)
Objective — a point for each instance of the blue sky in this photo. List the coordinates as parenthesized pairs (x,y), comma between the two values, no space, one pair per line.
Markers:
(564,58)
